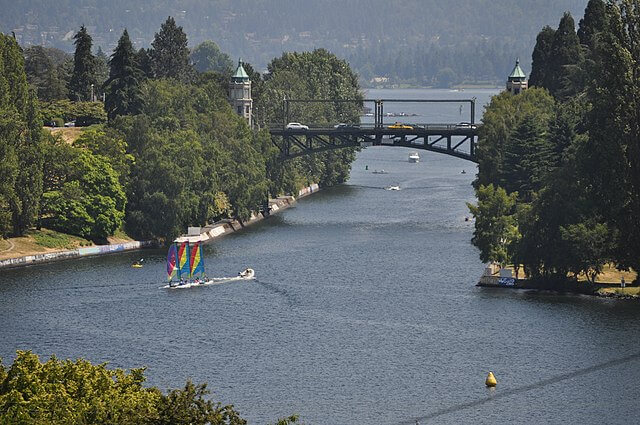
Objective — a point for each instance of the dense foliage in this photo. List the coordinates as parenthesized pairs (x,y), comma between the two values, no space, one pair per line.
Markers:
(78,392)
(173,152)
(559,165)
(21,157)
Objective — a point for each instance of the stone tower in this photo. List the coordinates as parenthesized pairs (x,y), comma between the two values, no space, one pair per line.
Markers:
(240,93)
(517,81)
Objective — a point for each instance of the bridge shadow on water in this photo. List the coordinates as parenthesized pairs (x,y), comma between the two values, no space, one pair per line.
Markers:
(525,388)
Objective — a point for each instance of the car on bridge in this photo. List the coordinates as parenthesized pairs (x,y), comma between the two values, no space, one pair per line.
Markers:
(466,125)
(343,126)
(296,126)
(400,126)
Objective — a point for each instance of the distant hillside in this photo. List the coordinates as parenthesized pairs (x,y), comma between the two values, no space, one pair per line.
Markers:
(258,30)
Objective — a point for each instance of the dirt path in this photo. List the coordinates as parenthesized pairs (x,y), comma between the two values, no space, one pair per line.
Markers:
(11,246)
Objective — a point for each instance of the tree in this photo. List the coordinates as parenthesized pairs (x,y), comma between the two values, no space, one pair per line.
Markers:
(591,245)
(614,127)
(495,229)
(84,67)
(85,197)
(102,69)
(565,55)
(189,406)
(501,117)
(207,56)
(592,23)
(143,58)
(20,141)
(541,58)
(65,391)
(528,158)
(170,54)
(123,86)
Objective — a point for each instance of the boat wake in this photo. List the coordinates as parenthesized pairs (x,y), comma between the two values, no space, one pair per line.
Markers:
(247,274)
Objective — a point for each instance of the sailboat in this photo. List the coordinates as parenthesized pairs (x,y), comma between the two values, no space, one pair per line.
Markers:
(186,262)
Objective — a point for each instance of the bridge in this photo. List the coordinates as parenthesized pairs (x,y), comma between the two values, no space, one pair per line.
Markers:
(458,140)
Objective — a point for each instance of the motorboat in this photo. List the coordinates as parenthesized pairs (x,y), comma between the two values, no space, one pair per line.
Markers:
(414,157)
(380,172)
(392,187)
(247,274)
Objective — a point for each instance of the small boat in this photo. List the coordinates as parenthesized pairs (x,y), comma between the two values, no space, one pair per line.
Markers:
(247,274)
(380,172)
(414,157)
(392,187)
(138,264)
(463,172)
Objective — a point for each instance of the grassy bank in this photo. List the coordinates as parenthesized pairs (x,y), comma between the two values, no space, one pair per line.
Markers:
(45,240)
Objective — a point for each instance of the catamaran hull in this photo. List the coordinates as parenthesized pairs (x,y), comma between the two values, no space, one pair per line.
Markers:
(209,282)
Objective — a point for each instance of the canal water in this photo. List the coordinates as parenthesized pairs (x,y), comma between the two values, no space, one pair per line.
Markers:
(364,311)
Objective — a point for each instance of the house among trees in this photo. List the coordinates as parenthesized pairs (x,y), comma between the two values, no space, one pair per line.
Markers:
(517,80)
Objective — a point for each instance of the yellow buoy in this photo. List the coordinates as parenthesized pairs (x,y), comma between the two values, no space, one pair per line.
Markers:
(491,380)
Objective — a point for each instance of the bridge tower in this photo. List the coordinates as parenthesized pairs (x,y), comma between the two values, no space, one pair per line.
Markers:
(517,81)
(240,93)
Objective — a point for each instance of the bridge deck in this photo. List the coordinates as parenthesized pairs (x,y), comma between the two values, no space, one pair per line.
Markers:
(457,140)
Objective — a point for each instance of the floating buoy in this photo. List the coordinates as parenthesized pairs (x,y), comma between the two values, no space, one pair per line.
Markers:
(491,380)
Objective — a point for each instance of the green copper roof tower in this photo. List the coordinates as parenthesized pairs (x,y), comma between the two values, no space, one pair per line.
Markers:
(517,80)
(240,94)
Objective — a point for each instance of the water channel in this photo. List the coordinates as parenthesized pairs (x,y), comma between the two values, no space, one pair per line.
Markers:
(364,312)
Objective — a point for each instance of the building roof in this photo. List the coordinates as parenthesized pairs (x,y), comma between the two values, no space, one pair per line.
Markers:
(240,74)
(517,72)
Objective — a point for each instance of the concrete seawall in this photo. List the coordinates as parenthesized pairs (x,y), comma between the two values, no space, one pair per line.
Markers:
(74,253)
(221,228)
(207,233)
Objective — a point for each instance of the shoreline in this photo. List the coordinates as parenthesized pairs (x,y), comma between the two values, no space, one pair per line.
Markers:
(604,289)
(205,234)
(216,230)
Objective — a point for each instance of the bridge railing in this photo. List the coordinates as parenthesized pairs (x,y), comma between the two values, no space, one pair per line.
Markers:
(390,126)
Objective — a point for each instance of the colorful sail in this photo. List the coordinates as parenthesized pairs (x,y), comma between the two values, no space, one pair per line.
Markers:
(183,259)
(197,262)
(172,258)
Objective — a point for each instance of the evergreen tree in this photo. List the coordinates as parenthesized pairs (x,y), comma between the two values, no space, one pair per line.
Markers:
(143,58)
(170,54)
(566,54)
(614,127)
(123,86)
(541,58)
(102,68)
(528,158)
(20,137)
(84,68)
(592,23)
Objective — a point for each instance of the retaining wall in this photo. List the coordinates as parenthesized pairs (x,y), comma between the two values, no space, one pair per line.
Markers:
(75,253)
(225,227)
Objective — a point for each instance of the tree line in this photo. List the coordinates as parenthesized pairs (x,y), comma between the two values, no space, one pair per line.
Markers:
(78,392)
(558,186)
(172,152)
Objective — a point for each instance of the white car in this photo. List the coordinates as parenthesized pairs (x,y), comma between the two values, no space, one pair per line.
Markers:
(297,126)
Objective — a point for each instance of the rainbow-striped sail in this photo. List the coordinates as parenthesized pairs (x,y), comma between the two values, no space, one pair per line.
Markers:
(183,259)
(197,262)
(172,257)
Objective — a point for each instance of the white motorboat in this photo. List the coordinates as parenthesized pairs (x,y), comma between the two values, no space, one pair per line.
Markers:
(392,187)
(247,274)
(414,157)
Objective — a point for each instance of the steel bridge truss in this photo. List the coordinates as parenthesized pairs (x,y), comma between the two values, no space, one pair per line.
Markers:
(448,139)
(458,140)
